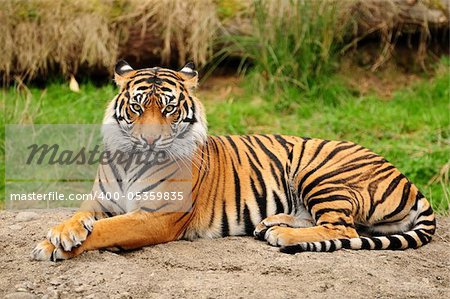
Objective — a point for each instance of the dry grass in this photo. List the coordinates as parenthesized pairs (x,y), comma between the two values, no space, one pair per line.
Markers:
(187,26)
(39,37)
(391,20)
(43,36)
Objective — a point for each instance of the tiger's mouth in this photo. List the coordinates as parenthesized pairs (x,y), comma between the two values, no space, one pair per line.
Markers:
(147,147)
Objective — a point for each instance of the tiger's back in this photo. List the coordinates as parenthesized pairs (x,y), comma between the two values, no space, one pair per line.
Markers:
(328,183)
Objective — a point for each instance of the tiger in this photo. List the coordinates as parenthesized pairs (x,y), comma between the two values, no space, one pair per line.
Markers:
(299,194)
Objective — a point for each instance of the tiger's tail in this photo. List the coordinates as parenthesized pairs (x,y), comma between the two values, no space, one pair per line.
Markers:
(422,230)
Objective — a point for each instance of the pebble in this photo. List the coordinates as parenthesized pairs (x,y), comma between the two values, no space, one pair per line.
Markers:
(124,295)
(80,289)
(26,216)
(15,227)
(55,282)
(25,286)
(20,295)
(51,295)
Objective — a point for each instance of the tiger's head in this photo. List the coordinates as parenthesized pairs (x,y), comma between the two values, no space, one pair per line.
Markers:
(155,110)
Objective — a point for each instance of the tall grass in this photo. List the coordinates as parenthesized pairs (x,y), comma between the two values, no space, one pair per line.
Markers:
(39,37)
(293,44)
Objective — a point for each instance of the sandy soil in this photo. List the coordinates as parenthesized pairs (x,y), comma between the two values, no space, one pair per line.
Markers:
(232,267)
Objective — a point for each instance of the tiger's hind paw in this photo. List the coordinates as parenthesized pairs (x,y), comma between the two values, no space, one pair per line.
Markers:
(282,236)
(282,220)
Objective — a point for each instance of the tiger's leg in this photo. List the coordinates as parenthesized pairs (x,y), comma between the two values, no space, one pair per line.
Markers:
(72,232)
(333,218)
(283,220)
(128,231)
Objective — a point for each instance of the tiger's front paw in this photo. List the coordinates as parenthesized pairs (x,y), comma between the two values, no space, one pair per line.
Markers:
(46,251)
(71,233)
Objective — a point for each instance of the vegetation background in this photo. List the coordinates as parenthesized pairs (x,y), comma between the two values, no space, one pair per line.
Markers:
(373,72)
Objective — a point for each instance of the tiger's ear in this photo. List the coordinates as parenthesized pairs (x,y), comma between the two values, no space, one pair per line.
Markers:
(189,75)
(122,72)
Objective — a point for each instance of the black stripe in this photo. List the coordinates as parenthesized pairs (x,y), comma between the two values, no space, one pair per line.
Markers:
(267,137)
(252,151)
(105,193)
(378,242)
(421,236)
(151,187)
(332,246)
(425,213)
(412,243)
(284,143)
(300,157)
(428,231)
(237,192)
(225,227)
(403,201)
(249,227)
(325,191)
(426,222)
(319,213)
(104,209)
(365,244)
(373,186)
(392,186)
(116,174)
(234,147)
(318,150)
(270,154)
(143,87)
(394,242)
(315,201)
(345,243)
(291,249)
(337,223)
(261,198)
(365,157)
(275,175)
(170,82)
(278,204)
(323,245)
(146,209)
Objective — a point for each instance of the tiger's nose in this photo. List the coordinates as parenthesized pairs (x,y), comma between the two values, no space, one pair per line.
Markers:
(150,139)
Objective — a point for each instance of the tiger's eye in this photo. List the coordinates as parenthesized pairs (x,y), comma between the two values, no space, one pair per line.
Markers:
(170,108)
(136,107)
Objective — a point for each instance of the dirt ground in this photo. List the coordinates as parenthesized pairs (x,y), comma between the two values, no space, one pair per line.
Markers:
(236,267)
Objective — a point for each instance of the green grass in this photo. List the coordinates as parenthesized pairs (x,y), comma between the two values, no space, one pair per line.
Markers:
(412,130)
(293,45)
